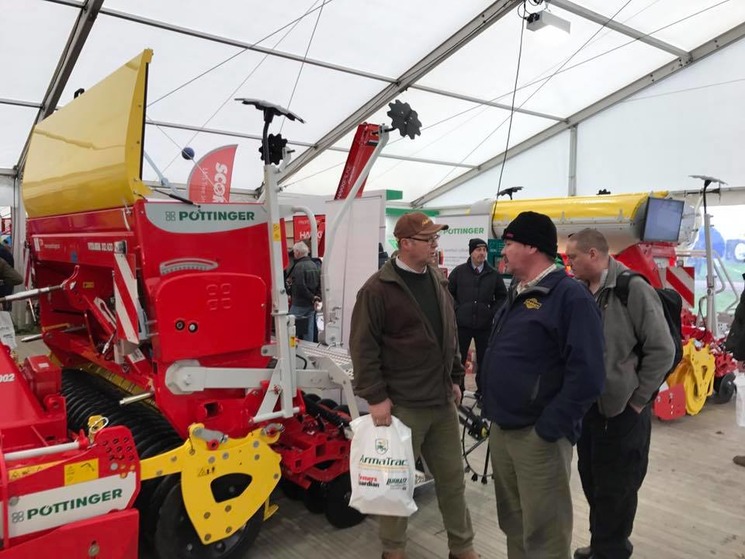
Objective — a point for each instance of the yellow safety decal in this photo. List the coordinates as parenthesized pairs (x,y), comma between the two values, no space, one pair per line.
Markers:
(78,472)
(276,232)
(18,473)
(88,284)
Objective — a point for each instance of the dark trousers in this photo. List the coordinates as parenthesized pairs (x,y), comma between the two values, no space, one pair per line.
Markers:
(613,456)
(481,337)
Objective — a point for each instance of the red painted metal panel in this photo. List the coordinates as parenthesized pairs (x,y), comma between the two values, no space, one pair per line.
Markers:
(363,145)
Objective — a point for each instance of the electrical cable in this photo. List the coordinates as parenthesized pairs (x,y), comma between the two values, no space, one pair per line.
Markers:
(230,97)
(650,34)
(536,91)
(302,65)
(243,50)
(562,70)
(526,85)
(509,128)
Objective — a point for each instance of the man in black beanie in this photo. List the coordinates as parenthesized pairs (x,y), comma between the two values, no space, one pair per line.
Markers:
(478,291)
(542,371)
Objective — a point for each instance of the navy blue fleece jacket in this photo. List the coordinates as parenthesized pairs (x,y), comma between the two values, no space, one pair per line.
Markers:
(544,364)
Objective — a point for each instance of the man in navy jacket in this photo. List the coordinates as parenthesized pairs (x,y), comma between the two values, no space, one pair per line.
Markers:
(542,371)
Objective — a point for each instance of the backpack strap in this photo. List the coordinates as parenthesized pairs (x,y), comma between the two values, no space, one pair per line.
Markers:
(622,285)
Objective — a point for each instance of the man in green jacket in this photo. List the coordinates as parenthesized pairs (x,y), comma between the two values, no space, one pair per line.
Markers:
(404,350)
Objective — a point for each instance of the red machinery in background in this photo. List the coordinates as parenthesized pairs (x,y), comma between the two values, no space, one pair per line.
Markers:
(643,231)
(707,368)
(366,139)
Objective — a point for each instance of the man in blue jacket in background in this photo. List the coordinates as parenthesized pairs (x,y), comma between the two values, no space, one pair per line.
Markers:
(542,371)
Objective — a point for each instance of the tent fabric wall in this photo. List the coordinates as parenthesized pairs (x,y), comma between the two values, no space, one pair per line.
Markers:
(690,124)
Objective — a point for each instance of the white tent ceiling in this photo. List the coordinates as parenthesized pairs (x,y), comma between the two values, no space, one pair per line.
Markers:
(339,62)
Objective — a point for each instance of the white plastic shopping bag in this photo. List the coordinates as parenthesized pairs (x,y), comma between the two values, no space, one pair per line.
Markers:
(381,465)
(740,399)
(7,330)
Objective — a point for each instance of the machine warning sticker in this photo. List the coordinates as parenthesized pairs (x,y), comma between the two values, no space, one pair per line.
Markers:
(136,356)
(204,218)
(18,473)
(78,472)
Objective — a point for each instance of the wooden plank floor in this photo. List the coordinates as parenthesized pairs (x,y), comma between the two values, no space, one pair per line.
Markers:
(692,504)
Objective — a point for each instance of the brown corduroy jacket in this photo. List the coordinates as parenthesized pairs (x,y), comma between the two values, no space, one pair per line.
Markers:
(394,350)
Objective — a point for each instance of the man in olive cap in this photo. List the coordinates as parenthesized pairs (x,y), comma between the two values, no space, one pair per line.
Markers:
(478,291)
(542,371)
(404,350)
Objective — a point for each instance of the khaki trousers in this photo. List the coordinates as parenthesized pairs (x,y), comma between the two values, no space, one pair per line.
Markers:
(534,502)
(435,435)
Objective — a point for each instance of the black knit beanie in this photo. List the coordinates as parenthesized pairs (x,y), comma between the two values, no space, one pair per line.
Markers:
(534,229)
(473,244)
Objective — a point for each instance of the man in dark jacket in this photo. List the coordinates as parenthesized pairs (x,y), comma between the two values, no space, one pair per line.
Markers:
(305,289)
(736,346)
(7,288)
(478,291)
(542,371)
(404,351)
(613,451)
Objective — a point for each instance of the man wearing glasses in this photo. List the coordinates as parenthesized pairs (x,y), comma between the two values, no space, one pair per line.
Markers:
(404,350)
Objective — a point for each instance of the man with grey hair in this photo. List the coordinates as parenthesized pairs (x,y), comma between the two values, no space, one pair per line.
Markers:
(305,290)
(613,450)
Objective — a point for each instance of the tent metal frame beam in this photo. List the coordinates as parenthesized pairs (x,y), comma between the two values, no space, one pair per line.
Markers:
(89,11)
(496,11)
(310,61)
(478,101)
(73,3)
(8,173)
(699,53)
(296,143)
(605,21)
(18,103)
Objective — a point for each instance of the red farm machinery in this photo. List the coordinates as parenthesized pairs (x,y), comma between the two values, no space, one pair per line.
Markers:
(173,401)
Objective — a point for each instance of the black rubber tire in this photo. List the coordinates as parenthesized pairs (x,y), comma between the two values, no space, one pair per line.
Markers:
(328,402)
(314,497)
(725,387)
(152,502)
(291,490)
(175,537)
(337,509)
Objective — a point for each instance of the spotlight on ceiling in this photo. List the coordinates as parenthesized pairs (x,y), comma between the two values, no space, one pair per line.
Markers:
(539,20)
